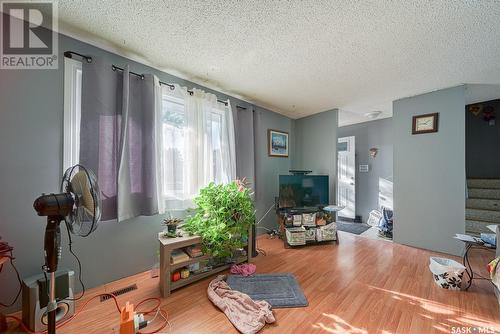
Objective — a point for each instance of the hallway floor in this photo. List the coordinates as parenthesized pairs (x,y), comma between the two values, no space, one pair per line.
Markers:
(372,233)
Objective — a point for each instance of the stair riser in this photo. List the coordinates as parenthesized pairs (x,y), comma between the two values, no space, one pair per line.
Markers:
(483,215)
(477,227)
(484,193)
(486,204)
(484,183)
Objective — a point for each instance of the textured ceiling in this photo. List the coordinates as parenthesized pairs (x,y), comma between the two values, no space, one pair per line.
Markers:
(303,57)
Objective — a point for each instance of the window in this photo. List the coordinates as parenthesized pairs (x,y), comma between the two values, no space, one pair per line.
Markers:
(72,111)
(193,142)
(173,146)
(196,146)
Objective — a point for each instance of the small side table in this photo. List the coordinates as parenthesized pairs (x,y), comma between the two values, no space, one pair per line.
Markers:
(465,259)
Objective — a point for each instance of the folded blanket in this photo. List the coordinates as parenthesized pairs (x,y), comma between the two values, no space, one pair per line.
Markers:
(247,315)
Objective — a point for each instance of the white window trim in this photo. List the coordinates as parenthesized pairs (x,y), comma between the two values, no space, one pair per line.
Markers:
(72,112)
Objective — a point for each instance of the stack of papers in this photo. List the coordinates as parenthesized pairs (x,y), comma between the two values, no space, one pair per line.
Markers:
(468,238)
(492,228)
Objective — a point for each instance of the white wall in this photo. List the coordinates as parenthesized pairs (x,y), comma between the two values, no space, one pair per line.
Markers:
(429,172)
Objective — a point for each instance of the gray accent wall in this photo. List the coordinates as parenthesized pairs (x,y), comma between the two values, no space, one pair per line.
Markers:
(31,141)
(482,149)
(429,172)
(316,146)
(268,168)
(376,134)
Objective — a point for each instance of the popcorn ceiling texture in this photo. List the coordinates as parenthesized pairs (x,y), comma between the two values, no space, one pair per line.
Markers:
(303,57)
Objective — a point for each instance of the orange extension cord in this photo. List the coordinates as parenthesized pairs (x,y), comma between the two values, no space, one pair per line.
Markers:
(155,309)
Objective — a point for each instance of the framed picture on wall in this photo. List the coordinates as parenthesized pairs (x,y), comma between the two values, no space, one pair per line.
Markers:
(277,143)
(425,123)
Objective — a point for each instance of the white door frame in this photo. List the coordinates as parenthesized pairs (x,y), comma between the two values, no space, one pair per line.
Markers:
(346,176)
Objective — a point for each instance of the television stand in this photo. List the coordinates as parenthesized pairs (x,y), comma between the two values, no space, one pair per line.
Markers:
(304,226)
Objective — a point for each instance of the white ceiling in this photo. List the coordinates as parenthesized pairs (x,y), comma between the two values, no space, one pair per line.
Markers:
(303,57)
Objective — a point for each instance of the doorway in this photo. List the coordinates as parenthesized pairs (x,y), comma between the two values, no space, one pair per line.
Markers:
(482,153)
(364,180)
(346,178)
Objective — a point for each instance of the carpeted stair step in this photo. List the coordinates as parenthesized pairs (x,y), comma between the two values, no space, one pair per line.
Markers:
(484,193)
(483,183)
(486,204)
(477,227)
(483,215)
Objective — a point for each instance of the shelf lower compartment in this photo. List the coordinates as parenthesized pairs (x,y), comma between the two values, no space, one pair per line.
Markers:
(311,242)
(196,277)
(176,266)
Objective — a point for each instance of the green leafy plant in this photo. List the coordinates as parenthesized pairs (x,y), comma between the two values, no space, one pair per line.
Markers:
(222,218)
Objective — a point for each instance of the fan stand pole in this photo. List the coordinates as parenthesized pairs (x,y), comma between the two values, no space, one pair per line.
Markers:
(52,246)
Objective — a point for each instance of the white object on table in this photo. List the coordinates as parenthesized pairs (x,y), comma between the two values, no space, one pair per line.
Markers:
(333,208)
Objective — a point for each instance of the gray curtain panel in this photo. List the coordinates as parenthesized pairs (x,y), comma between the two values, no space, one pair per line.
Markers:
(245,155)
(117,138)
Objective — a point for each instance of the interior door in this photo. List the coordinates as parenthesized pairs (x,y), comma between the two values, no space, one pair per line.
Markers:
(346,177)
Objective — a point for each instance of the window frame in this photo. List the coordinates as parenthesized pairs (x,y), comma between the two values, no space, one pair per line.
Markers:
(72,112)
(218,111)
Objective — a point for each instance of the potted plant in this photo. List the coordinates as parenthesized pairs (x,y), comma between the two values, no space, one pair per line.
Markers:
(171,224)
(222,219)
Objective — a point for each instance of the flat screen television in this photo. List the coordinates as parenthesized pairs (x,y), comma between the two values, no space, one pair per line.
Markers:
(302,191)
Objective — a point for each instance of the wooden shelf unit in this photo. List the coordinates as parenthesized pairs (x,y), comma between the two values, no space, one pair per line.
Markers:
(167,245)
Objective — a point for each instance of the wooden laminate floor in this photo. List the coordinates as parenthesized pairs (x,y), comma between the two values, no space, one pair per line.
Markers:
(359,286)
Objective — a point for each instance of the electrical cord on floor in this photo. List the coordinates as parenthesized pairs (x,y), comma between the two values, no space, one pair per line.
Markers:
(260,250)
(157,308)
(6,251)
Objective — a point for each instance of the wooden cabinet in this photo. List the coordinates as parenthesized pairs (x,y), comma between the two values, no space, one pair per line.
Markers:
(329,224)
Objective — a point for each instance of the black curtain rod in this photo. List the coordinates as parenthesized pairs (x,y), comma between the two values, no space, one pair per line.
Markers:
(69,54)
(172,87)
(116,68)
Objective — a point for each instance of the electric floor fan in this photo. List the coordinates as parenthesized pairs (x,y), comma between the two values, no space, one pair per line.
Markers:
(79,207)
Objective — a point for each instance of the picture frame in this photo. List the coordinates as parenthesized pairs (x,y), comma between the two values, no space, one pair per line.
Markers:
(277,143)
(425,123)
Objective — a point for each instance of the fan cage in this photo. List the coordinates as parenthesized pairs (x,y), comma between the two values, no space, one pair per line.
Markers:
(81,221)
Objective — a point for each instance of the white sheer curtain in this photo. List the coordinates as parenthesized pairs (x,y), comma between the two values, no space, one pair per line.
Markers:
(195,145)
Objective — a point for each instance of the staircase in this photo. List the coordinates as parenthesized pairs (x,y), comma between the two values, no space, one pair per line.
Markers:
(483,205)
